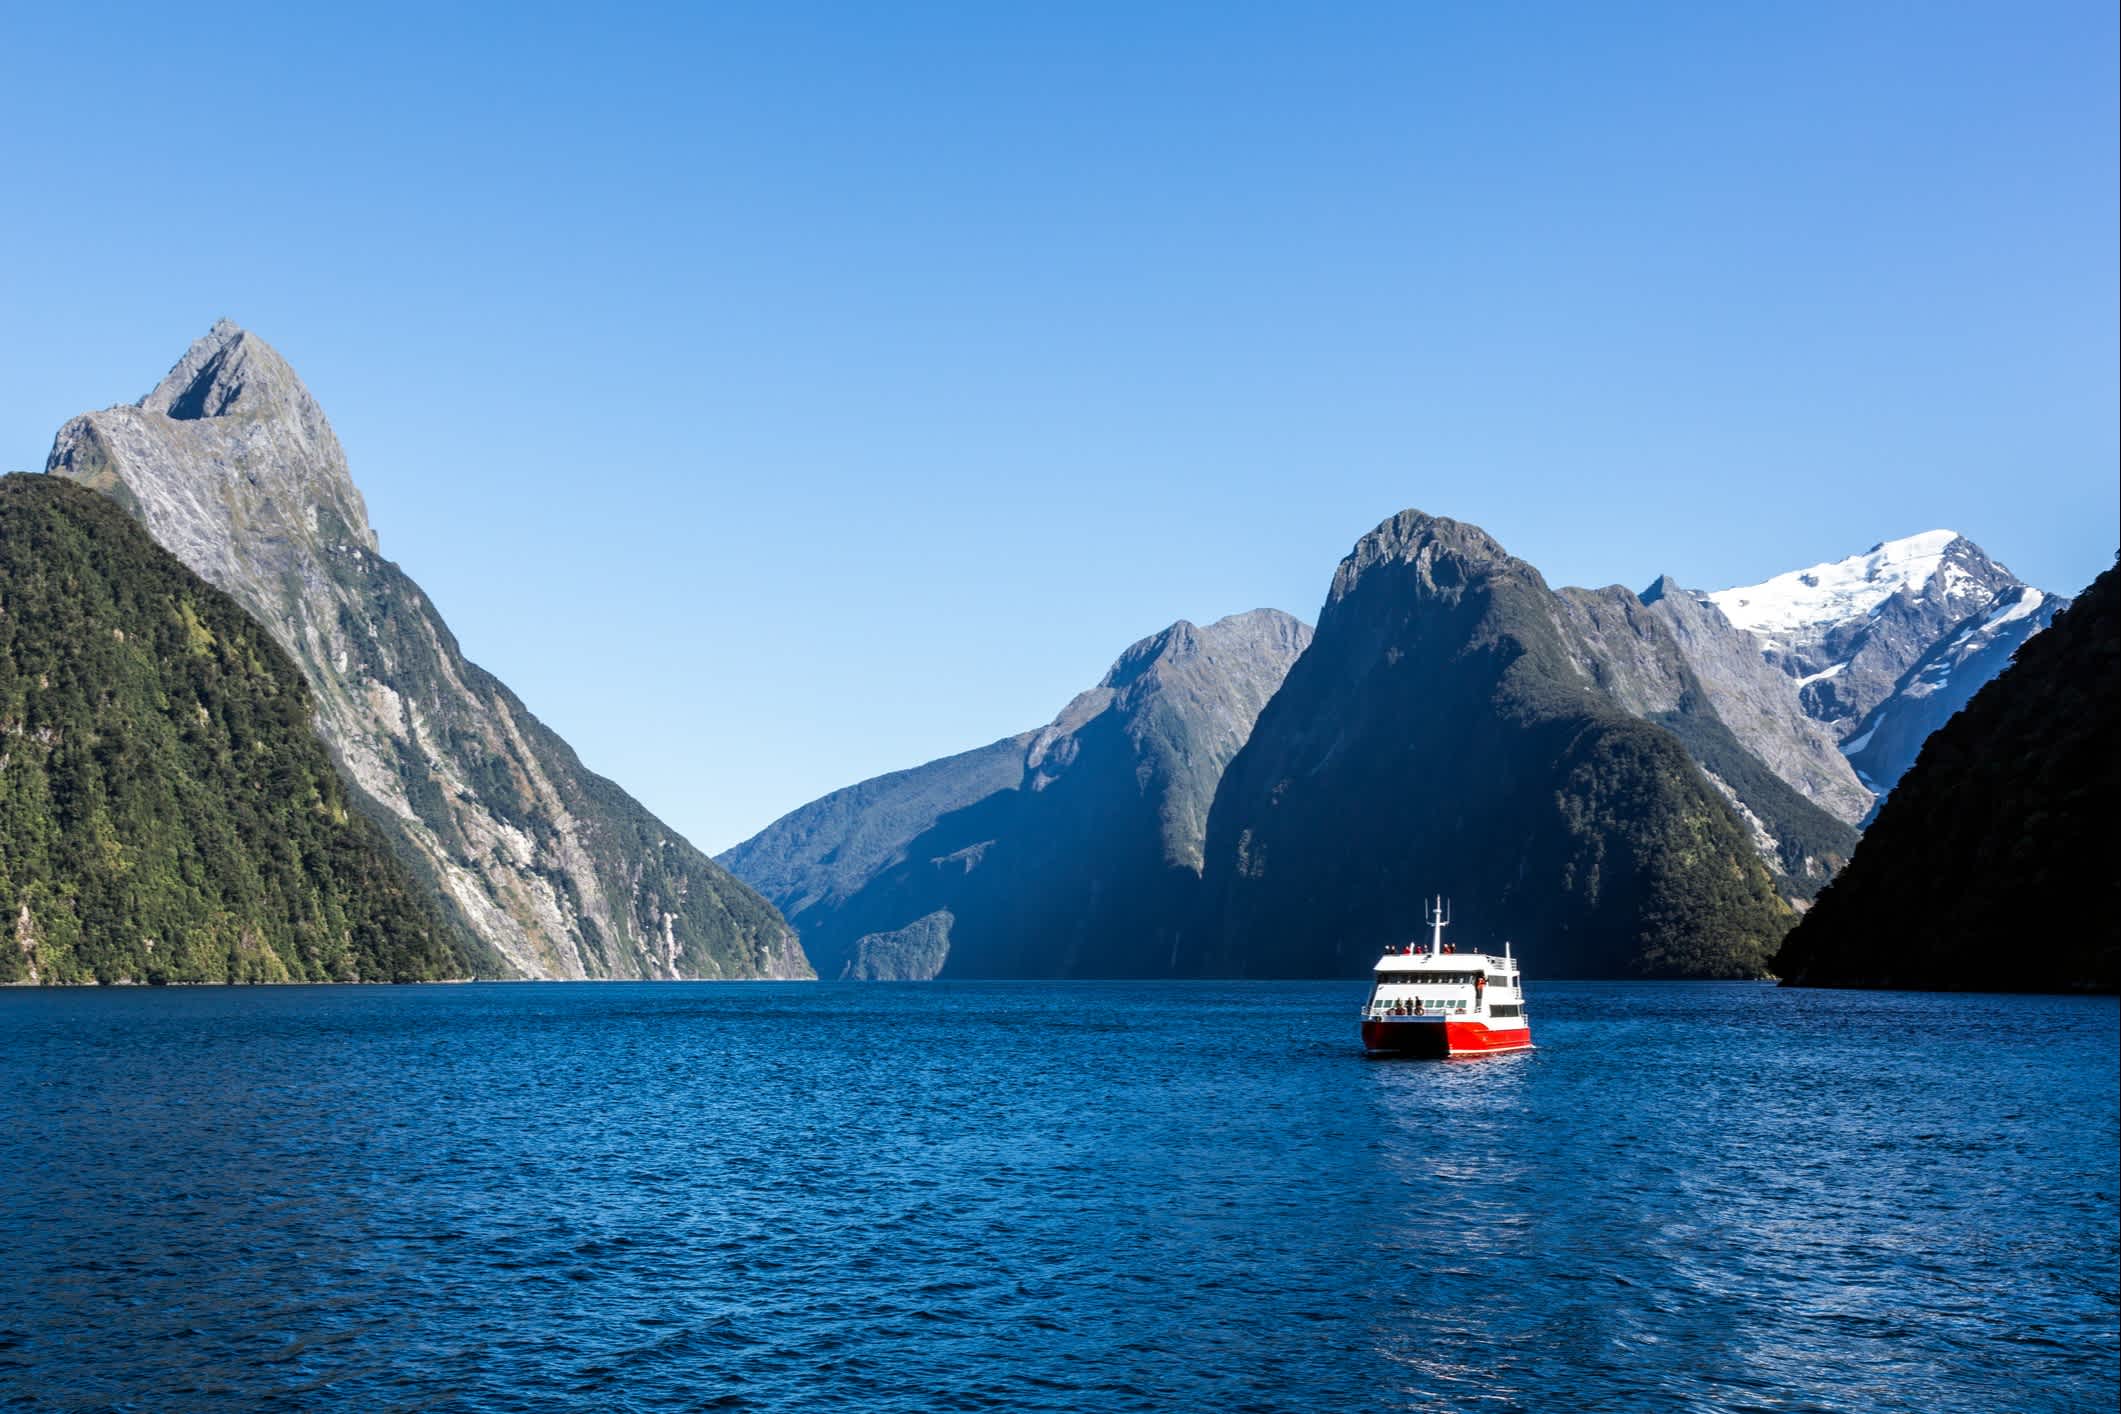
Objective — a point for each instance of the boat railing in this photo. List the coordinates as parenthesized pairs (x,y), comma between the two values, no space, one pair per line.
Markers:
(1384,1009)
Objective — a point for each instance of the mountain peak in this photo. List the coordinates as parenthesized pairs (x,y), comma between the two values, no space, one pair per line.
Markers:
(1442,554)
(1269,633)
(1925,542)
(232,466)
(231,411)
(1663,585)
(231,372)
(1413,530)
(1837,591)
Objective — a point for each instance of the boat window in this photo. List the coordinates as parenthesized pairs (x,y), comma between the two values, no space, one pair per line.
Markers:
(1506,1010)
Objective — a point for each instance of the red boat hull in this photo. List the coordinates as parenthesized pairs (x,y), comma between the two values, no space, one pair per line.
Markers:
(1437,1039)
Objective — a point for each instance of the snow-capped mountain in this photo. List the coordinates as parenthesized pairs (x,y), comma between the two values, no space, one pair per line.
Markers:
(1847,630)
(1885,646)
(1943,680)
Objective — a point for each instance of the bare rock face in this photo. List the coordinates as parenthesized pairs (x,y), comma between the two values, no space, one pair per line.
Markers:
(1757,702)
(1654,660)
(231,464)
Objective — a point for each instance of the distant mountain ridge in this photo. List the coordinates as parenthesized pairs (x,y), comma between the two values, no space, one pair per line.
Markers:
(230,463)
(894,877)
(1072,850)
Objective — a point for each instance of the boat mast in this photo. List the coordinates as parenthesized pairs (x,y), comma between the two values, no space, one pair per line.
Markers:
(1437,918)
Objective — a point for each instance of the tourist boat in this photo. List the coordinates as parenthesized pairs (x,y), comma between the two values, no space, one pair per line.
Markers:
(1431,1001)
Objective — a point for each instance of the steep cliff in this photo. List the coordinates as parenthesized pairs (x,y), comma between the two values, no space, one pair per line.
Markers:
(1633,652)
(1759,703)
(230,463)
(1445,732)
(166,813)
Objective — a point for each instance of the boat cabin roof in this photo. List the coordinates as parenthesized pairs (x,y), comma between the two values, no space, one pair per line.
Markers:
(1420,964)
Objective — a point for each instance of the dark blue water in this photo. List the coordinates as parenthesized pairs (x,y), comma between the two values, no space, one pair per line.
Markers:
(1085,1197)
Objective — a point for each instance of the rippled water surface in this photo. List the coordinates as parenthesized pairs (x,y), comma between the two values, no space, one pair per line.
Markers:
(1078,1197)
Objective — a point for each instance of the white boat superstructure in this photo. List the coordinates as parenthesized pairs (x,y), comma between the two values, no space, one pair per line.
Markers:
(1435,1001)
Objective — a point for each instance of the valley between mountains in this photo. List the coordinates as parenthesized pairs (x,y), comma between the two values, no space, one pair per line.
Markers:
(1630,784)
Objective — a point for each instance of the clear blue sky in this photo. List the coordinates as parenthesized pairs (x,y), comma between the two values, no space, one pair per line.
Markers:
(775,395)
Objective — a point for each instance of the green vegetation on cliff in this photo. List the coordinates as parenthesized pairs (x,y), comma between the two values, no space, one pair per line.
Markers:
(167,813)
(1440,735)
(1991,866)
(232,466)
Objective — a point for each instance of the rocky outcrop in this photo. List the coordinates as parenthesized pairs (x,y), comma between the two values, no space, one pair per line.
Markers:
(1457,726)
(230,463)
(1071,851)
(1990,868)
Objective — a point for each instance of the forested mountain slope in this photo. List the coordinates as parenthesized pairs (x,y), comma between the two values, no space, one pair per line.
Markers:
(167,813)
(1443,733)
(1991,867)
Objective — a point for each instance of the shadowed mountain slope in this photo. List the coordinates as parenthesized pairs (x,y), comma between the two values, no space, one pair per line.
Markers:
(1445,731)
(1991,866)
(1072,851)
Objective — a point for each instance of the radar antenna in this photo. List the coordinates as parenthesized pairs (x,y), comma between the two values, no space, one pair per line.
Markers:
(1438,918)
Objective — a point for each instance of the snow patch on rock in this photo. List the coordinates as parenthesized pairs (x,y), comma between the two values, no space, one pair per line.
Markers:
(1839,589)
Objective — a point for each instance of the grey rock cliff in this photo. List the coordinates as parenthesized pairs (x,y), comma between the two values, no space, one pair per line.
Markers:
(1631,652)
(1757,702)
(230,463)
